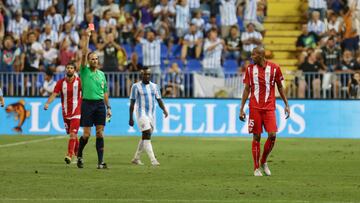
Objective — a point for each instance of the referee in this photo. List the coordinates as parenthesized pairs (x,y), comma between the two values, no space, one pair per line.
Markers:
(95,106)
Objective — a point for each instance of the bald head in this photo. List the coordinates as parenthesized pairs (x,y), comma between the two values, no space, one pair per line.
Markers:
(258,55)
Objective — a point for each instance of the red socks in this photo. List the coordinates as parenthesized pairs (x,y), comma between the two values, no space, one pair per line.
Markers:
(76,147)
(269,144)
(256,153)
(71,147)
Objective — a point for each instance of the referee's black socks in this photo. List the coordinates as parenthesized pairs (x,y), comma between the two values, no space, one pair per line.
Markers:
(82,143)
(100,149)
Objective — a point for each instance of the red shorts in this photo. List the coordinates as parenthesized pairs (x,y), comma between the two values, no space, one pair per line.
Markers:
(72,125)
(258,118)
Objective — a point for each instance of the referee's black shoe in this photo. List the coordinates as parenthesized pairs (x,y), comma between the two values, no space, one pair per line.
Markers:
(102,166)
(80,162)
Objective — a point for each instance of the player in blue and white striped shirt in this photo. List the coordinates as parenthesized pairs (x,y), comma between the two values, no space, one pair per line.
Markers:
(143,96)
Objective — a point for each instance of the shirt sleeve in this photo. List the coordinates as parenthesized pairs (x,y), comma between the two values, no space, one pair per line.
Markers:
(105,84)
(279,76)
(133,94)
(247,76)
(157,92)
(57,88)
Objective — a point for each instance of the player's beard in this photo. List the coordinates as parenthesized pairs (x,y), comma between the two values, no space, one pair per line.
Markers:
(69,75)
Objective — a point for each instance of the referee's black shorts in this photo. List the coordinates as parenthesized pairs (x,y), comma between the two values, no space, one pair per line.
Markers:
(93,112)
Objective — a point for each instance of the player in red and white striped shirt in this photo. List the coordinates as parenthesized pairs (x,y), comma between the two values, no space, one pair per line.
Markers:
(260,80)
(69,89)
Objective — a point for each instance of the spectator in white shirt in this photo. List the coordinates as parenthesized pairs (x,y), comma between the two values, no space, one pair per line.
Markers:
(164,9)
(151,50)
(194,5)
(49,34)
(79,9)
(50,56)
(316,25)
(107,24)
(213,48)
(228,16)
(55,19)
(17,26)
(182,18)
(250,39)
(251,15)
(48,85)
(192,43)
(198,20)
(318,5)
(70,35)
(42,6)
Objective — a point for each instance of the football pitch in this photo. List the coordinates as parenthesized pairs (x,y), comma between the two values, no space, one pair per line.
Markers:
(193,169)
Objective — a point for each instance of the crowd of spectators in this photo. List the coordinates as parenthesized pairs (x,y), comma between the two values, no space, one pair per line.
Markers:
(44,35)
(329,44)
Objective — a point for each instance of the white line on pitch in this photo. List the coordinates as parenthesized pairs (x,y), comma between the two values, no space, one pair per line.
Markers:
(31,141)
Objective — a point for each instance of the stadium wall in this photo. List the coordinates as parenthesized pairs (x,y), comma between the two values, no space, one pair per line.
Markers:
(192,117)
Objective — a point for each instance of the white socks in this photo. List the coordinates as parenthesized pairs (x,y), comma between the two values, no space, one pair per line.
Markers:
(139,150)
(149,150)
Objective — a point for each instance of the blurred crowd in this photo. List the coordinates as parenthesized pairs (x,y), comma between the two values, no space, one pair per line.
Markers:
(44,35)
(329,44)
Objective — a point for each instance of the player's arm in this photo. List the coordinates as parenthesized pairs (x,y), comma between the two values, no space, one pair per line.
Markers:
(50,100)
(131,112)
(162,106)
(283,97)
(245,96)
(85,48)
(107,103)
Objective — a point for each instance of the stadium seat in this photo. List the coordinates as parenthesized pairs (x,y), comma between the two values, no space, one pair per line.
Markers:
(138,50)
(128,49)
(240,24)
(230,66)
(193,65)
(163,51)
(175,51)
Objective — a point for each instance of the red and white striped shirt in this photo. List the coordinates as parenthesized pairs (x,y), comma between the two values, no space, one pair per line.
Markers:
(262,85)
(70,93)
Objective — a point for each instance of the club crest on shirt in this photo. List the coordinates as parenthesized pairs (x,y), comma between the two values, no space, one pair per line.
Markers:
(102,84)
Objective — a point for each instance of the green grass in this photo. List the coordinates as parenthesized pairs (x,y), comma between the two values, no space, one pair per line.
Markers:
(192,169)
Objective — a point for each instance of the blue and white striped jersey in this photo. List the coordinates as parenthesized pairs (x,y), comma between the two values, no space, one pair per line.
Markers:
(151,52)
(145,96)
(250,10)
(55,21)
(318,27)
(317,4)
(44,4)
(182,17)
(17,28)
(228,12)
(212,58)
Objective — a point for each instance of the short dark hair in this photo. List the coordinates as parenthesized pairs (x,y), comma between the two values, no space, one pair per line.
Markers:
(71,63)
(47,40)
(88,55)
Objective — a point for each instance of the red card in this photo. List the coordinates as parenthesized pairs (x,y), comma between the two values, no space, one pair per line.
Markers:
(91,26)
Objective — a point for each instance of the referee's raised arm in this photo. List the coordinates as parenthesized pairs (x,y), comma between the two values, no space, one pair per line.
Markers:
(85,49)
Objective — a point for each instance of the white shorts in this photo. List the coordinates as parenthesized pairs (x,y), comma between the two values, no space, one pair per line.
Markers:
(145,123)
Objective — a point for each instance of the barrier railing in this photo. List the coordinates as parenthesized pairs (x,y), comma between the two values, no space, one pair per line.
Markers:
(187,85)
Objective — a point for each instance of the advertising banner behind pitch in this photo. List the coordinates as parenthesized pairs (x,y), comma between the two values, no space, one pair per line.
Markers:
(192,117)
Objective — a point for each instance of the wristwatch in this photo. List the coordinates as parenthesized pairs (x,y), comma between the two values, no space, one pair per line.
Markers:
(108,107)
